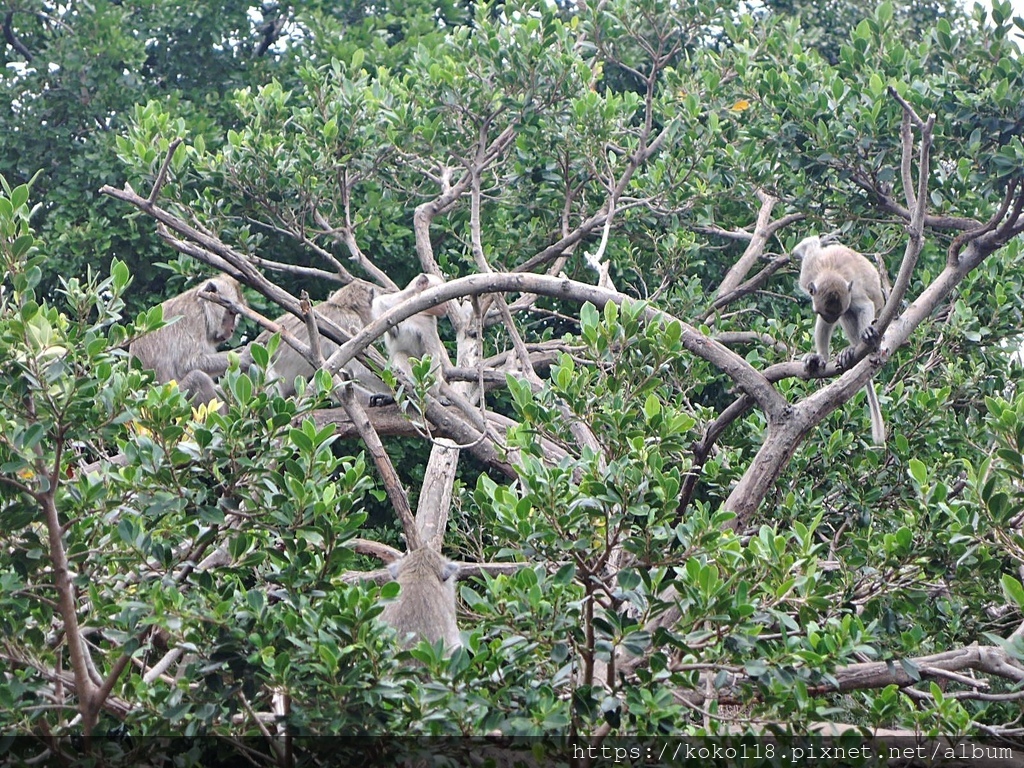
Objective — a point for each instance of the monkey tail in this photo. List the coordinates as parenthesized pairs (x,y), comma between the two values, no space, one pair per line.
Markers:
(877,424)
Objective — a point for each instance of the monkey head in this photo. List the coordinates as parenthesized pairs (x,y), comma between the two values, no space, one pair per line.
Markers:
(421,283)
(830,296)
(221,321)
(806,247)
(425,606)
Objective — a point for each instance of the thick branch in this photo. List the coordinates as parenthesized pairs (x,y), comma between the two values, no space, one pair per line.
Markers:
(382,552)
(783,438)
(392,484)
(88,701)
(754,248)
(750,286)
(12,38)
(734,366)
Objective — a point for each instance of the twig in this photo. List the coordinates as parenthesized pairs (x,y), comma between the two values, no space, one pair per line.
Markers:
(953,254)
(161,177)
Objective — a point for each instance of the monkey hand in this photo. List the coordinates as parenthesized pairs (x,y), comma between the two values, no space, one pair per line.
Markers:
(814,362)
(871,337)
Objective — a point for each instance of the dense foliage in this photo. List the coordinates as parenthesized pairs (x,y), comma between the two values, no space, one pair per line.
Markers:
(658,546)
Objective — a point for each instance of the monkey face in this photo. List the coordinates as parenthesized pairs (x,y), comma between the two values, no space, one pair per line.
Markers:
(227,327)
(830,298)
(421,283)
(220,321)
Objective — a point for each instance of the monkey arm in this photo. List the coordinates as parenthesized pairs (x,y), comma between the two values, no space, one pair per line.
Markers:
(817,360)
(857,325)
(213,363)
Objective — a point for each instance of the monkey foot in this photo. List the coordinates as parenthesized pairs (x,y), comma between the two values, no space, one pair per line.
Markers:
(814,362)
(845,358)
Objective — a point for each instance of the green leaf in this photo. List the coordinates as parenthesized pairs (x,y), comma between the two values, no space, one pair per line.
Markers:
(652,407)
(242,388)
(301,439)
(1013,589)
(875,85)
(19,196)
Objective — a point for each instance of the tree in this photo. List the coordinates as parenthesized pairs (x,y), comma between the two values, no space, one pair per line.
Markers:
(671,519)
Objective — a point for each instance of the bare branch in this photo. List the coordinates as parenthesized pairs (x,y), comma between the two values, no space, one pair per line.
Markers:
(906,174)
(89,702)
(915,230)
(745,376)
(750,286)
(376,549)
(161,176)
(908,110)
(347,236)
(953,254)
(702,450)
(392,484)
(753,250)
(12,38)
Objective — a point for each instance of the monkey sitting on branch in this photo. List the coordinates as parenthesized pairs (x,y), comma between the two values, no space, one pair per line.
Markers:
(425,606)
(351,308)
(845,288)
(185,350)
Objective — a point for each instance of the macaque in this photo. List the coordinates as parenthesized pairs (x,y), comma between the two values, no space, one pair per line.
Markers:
(415,336)
(186,350)
(425,606)
(845,288)
(351,308)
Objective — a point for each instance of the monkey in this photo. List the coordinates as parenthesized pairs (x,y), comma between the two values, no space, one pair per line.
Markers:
(185,350)
(425,606)
(351,308)
(415,336)
(844,287)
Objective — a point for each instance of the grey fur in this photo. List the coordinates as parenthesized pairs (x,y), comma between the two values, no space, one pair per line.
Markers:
(425,606)
(845,288)
(352,308)
(186,350)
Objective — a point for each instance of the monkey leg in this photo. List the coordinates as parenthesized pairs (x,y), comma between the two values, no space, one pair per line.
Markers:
(847,357)
(200,388)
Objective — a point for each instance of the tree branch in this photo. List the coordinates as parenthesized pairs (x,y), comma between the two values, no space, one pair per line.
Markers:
(12,38)
(734,366)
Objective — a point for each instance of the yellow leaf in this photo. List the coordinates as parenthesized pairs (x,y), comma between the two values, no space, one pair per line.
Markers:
(199,414)
(740,105)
